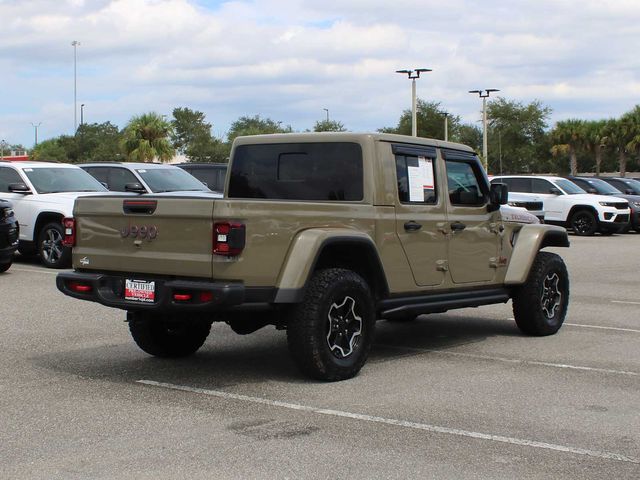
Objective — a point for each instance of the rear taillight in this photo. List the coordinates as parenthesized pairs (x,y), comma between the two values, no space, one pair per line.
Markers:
(69,226)
(228,238)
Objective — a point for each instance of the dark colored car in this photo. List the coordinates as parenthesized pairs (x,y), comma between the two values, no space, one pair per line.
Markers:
(629,186)
(9,230)
(599,186)
(213,175)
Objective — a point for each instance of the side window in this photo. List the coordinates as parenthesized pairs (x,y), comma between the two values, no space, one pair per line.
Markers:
(539,185)
(416,179)
(119,177)
(7,176)
(522,185)
(99,173)
(464,184)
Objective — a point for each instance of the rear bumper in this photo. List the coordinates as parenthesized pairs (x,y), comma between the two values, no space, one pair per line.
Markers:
(8,242)
(108,290)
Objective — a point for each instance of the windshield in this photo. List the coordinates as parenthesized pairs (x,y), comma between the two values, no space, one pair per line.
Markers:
(171,180)
(568,187)
(56,180)
(602,187)
(633,185)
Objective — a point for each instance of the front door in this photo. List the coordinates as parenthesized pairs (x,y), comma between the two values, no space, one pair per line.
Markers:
(420,214)
(474,233)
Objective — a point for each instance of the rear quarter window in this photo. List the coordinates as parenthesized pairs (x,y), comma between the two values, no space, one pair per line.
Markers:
(304,171)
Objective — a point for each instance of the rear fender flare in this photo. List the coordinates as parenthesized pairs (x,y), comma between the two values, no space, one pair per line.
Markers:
(531,239)
(305,252)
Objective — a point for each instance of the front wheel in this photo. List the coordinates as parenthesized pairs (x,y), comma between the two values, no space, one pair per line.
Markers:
(4,267)
(52,253)
(540,305)
(584,223)
(331,331)
(164,336)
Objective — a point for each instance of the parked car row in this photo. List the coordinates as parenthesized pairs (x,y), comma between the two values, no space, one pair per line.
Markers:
(42,194)
(585,205)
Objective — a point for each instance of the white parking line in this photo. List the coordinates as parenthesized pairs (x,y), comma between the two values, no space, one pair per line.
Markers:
(600,327)
(395,422)
(50,272)
(511,360)
(625,302)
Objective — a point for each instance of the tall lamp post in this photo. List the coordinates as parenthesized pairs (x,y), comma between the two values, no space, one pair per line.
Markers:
(446,125)
(35,128)
(81,114)
(2,145)
(75,44)
(413,75)
(484,94)
(327,110)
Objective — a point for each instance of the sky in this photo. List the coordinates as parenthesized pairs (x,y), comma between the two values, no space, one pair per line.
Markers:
(290,60)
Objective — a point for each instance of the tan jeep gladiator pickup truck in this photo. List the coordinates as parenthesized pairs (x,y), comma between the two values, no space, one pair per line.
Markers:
(320,234)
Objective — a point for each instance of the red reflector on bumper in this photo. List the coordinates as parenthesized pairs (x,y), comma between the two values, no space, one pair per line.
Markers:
(206,296)
(79,287)
(182,297)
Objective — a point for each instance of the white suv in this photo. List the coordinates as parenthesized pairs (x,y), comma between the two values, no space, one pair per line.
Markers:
(43,194)
(568,205)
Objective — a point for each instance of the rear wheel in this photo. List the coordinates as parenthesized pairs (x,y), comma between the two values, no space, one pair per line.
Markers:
(540,305)
(584,223)
(52,253)
(4,267)
(165,336)
(331,331)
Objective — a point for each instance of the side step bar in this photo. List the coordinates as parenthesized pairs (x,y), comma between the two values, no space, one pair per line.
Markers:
(440,302)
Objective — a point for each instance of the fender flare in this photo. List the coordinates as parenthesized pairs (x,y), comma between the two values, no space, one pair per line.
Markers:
(305,252)
(529,240)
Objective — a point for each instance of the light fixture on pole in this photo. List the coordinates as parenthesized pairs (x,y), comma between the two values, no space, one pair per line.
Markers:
(413,75)
(35,128)
(81,114)
(327,110)
(75,45)
(483,94)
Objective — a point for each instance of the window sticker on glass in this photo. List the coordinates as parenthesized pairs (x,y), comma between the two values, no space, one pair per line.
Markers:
(28,169)
(420,179)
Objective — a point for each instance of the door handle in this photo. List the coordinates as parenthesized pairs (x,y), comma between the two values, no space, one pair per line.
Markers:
(412,226)
(457,226)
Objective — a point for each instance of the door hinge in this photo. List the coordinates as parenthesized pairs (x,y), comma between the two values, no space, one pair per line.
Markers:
(498,262)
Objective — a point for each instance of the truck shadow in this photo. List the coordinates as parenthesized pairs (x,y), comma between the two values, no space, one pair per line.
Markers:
(228,359)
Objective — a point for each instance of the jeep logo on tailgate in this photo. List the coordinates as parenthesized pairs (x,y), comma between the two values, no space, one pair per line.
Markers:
(143,231)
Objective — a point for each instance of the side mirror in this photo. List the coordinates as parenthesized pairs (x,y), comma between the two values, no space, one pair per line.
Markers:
(555,191)
(134,187)
(19,188)
(498,194)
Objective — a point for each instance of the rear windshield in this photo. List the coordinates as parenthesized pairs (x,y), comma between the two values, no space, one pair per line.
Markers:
(298,171)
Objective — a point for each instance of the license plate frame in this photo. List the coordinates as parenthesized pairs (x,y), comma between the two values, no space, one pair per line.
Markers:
(139,291)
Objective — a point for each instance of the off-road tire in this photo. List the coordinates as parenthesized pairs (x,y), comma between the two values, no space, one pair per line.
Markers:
(5,266)
(52,253)
(167,337)
(545,292)
(583,223)
(313,343)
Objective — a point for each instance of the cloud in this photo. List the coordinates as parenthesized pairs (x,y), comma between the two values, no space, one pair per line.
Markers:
(289,59)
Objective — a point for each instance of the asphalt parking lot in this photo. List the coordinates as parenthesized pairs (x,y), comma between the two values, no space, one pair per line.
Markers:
(457,395)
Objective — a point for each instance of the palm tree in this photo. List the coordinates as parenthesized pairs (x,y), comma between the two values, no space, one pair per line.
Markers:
(146,137)
(631,121)
(570,133)
(595,140)
(618,135)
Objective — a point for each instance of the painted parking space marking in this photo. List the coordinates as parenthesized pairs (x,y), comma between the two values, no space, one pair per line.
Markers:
(394,422)
(599,327)
(625,302)
(511,360)
(14,269)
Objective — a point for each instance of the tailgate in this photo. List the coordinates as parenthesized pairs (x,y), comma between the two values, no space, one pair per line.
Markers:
(161,235)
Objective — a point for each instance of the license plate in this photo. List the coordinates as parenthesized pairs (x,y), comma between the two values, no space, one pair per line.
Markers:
(142,291)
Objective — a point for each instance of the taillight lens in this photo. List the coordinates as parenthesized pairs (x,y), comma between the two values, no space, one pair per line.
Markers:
(228,238)
(69,226)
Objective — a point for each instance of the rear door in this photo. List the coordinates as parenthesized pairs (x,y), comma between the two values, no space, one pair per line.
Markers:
(473,231)
(420,213)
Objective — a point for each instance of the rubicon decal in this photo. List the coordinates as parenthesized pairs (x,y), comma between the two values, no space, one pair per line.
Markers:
(149,232)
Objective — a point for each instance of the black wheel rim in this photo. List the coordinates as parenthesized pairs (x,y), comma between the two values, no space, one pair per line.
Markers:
(52,248)
(344,328)
(583,224)
(551,297)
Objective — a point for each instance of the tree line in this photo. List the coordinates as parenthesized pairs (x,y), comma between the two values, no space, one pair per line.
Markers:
(519,138)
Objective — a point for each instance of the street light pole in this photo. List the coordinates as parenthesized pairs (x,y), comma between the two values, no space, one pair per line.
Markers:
(413,75)
(35,127)
(327,110)
(2,145)
(446,126)
(81,114)
(75,44)
(484,94)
